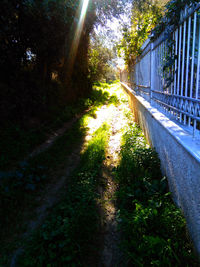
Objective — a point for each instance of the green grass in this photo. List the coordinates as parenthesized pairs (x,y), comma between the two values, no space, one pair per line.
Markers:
(18,188)
(17,141)
(20,185)
(153,229)
(68,235)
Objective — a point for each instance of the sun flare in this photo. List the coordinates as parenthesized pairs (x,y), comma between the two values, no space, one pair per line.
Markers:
(81,14)
(84,9)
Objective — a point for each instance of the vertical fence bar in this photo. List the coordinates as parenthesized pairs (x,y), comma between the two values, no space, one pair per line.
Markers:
(172,68)
(162,53)
(193,53)
(188,56)
(176,61)
(164,63)
(176,50)
(161,65)
(179,59)
(194,128)
(156,70)
(183,59)
(171,74)
(158,49)
(152,70)
(198,66)
(183,67)
(158,66)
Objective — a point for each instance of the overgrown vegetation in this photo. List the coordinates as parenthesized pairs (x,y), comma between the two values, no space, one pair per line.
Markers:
(16,142)
(44,66)
(35,46)
(101,60)
(19,187)
(149,19)
(171,18)
(145,16)
(68,235)
(153,229)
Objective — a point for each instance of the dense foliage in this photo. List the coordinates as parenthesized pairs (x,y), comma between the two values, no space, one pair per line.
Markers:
(150,19)
(101,60)
(154,232)
(42,65)
(145,16)
(171,16)
(34,37)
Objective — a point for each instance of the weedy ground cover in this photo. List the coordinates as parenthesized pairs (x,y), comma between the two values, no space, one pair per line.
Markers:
(17,141)
(68,234)
(153,229)
(19,187)
(31,174)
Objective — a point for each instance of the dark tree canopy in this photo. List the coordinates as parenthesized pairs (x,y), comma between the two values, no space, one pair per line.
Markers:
(37,39)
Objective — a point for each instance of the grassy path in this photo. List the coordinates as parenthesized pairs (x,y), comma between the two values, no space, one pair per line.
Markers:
(29,193)
(110,253)
(104,203)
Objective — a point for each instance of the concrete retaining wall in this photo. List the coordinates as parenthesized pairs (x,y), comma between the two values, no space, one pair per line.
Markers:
(179,155)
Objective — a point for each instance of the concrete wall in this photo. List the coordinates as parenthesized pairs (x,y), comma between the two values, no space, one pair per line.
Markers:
(180,159)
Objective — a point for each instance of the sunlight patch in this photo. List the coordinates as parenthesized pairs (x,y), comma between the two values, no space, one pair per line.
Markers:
(103,114)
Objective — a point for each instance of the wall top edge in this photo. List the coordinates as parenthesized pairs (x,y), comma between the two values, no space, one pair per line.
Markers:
(146,43)
(184,138)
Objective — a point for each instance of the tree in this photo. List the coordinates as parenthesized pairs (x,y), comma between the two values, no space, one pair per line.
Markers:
(145,16)
(101,60)
(37,37)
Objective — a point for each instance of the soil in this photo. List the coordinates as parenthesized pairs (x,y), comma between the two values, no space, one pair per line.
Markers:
(56,134)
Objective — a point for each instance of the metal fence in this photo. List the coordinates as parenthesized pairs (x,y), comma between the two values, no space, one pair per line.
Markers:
(175,89)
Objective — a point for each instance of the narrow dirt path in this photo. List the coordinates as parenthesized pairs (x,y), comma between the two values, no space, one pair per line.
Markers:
(111,254)
(54,136)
